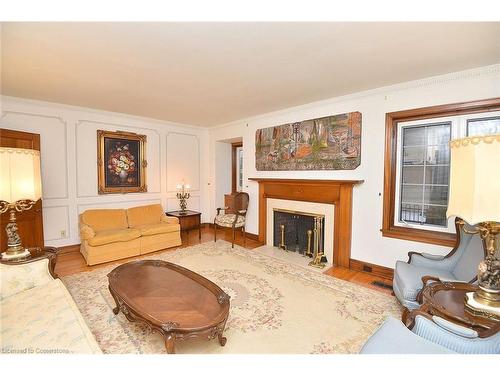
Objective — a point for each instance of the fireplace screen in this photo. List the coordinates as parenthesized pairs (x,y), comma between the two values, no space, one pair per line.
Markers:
(298,231)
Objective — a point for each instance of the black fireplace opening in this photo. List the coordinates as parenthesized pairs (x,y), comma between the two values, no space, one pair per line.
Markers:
(296,225)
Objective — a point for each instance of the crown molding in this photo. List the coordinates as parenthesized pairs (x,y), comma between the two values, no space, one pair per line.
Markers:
(424,82)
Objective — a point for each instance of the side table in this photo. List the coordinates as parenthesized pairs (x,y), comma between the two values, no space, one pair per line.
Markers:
(447,300)
(37,253)
(188,220)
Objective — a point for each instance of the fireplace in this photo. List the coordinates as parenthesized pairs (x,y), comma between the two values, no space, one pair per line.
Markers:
(336,194)
(297,231)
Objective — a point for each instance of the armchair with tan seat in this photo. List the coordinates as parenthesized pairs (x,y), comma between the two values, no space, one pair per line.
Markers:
(111,234)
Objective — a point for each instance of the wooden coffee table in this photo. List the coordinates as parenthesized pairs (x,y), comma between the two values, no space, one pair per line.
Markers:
(172,300)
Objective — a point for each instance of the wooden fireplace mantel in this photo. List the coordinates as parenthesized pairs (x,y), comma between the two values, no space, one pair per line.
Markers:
(336,192)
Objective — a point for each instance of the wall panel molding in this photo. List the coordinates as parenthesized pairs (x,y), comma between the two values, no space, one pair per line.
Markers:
(170,133)
(116,125)
(65,161)
(46,210)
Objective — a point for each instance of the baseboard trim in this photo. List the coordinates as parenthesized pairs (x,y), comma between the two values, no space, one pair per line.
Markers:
(252,236)
(68,249)
(372,269)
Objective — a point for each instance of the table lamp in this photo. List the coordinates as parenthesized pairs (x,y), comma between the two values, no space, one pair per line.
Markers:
(183,195)
(20,188)
(475,198)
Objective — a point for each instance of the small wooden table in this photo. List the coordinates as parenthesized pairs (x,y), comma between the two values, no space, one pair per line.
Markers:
(37,253)
(447,300)
(172,300)
(188,220)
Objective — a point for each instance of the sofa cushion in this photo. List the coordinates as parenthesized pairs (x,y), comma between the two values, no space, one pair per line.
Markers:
(116,235)
(408,278)
(152,229)
(392,337)
(105,219)
(144,215)
(45,319)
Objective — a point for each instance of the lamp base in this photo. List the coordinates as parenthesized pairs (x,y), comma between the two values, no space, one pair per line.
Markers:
(474,306)
(16,256)
(487,297)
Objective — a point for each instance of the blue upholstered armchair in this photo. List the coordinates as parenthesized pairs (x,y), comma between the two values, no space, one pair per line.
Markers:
(459,265)
(430,335)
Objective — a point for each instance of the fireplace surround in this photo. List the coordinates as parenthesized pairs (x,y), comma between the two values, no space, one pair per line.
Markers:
(336,192)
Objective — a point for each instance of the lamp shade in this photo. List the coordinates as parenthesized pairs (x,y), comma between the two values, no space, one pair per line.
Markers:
(20,176)
(475,179)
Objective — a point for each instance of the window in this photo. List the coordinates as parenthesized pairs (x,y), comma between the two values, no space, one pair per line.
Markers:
(424,173)
(417,166)
(483,126)
(237,167)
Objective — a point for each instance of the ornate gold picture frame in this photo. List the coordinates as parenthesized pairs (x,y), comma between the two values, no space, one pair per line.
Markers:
(121,162)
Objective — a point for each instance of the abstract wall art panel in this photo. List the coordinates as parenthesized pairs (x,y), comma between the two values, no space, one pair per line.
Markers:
(326,143)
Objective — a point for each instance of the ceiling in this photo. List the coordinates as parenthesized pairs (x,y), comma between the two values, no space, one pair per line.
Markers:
(211,73)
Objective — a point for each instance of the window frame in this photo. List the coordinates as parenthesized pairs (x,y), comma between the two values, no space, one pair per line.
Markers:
(390,228)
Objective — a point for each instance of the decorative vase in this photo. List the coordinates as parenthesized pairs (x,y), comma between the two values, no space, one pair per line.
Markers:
(123,175)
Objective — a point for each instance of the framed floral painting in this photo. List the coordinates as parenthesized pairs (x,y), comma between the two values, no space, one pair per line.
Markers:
(121,162)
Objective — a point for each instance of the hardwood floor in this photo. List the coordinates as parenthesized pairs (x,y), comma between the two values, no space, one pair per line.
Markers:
(71,261)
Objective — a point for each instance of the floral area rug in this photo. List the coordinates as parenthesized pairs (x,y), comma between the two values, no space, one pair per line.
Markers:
(276,307)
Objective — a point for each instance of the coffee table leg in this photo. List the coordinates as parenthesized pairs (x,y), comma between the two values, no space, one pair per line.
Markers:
(169,344)
(222,339)
(116,310)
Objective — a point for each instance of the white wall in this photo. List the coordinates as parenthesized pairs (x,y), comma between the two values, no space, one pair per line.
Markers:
(69,161)
(367,241)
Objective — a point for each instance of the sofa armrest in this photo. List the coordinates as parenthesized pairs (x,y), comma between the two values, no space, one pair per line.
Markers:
(16,278)
(170,219)
(86,232)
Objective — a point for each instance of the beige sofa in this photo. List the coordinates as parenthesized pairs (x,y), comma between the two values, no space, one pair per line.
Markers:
(111,234)
(38,314)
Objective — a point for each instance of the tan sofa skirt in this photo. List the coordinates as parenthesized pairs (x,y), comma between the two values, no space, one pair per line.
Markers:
(159,242)
(109,252)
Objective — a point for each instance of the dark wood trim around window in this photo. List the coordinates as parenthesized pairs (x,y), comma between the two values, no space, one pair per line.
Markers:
(389,229)
(234,172)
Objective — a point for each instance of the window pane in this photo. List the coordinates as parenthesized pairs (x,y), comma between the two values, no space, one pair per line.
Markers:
(438,134)
(483,126)
(411,194)
(413,174)
(411,213)
(413,155)
(414,136)
(437,175)
(435,215)
(436,195)
(439,154)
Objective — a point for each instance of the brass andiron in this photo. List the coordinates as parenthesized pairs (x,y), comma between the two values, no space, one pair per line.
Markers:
(308,253)
(316,262)
(282,243)
(320,240)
